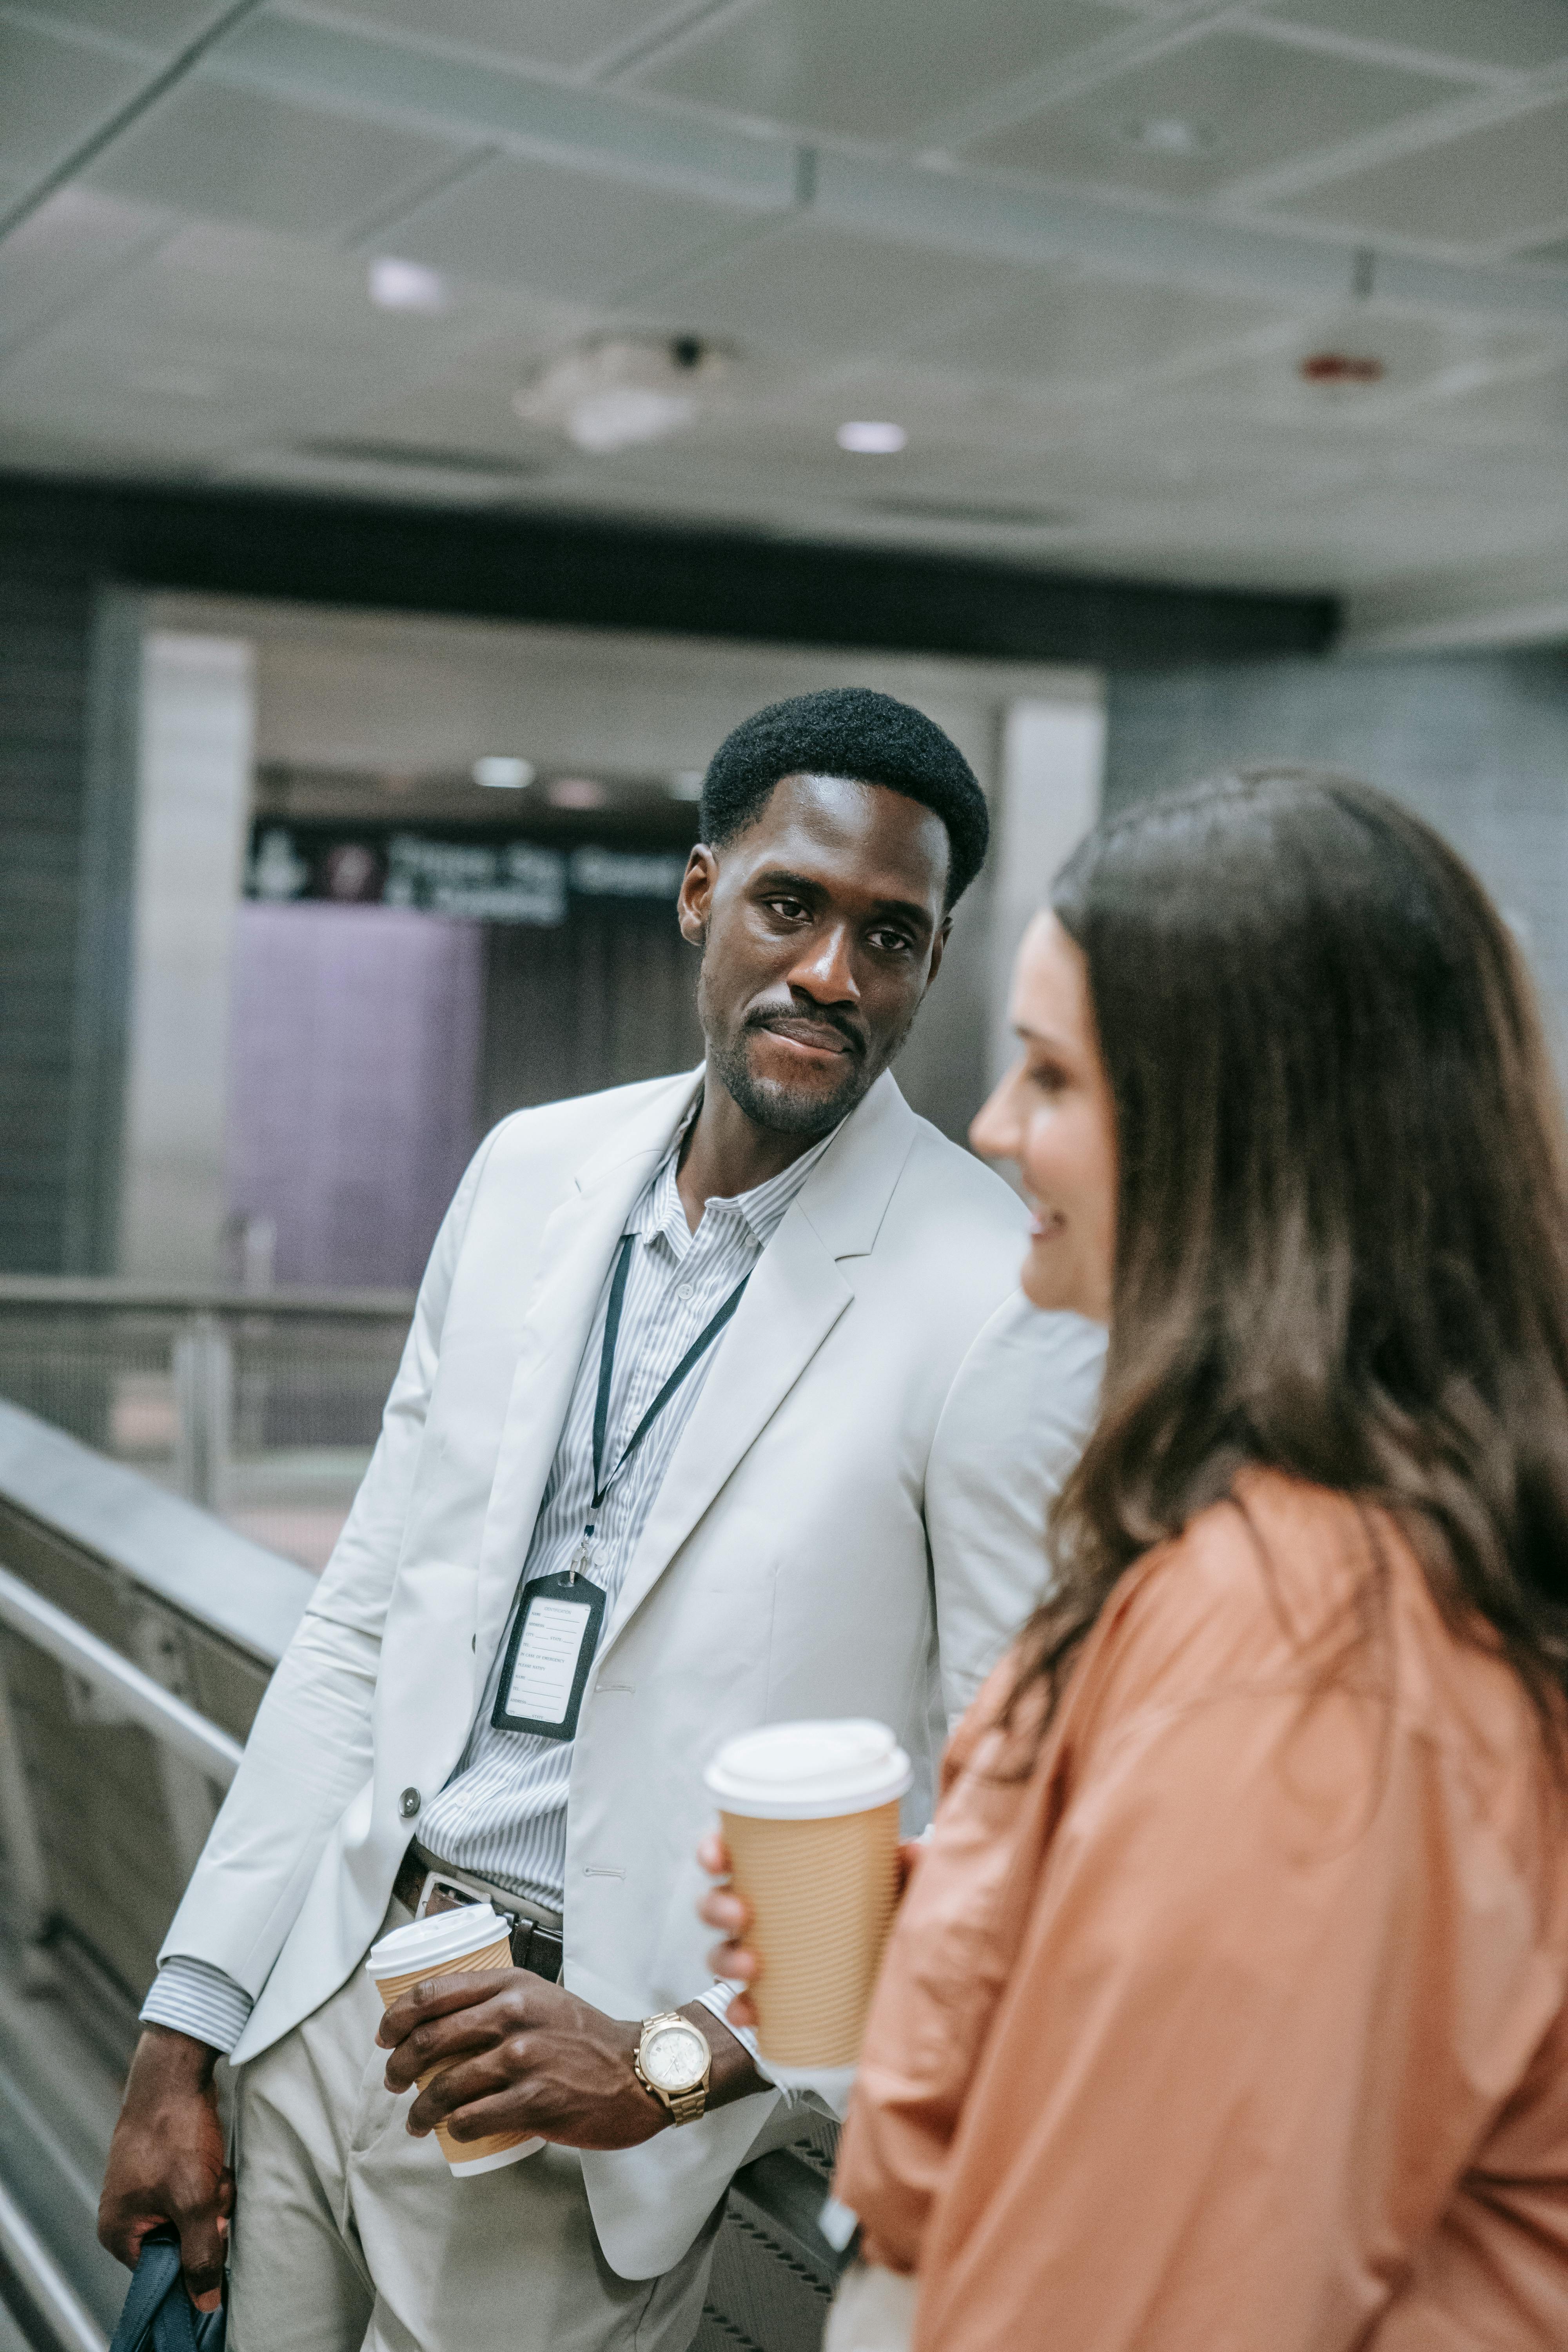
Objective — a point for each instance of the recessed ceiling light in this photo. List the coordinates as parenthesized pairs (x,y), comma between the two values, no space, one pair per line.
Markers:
(576,792)
(685,785)
(502,772)
(1170,134)
(406,286)
(869,439)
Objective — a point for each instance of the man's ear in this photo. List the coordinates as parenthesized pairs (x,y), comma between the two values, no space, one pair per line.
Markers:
(695,903)
(939,948)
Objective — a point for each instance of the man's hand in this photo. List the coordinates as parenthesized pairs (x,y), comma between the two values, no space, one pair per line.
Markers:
(520,2054)
(166,2161)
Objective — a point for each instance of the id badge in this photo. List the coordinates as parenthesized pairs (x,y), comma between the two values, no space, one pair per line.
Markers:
(545,1672)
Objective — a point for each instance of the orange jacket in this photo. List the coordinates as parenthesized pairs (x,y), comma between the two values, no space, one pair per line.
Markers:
(1236,2022)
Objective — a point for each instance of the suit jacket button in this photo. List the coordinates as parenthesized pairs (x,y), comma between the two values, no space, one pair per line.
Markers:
(408,1804)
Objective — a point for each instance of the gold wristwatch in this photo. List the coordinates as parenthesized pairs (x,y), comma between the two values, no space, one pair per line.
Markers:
(674,2061)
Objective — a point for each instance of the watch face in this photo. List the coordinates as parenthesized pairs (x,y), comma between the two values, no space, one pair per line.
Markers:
(675,2058)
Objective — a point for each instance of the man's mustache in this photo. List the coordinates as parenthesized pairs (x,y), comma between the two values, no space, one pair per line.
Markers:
(793,1022)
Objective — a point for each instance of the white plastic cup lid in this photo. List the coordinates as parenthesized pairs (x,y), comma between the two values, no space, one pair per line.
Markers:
(443,1935)
(808,1772)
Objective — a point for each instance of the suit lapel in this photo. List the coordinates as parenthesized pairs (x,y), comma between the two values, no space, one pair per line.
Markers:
(575,1249)
(792,1300)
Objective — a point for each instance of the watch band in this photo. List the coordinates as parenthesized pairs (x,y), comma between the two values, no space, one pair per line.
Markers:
(682,2107)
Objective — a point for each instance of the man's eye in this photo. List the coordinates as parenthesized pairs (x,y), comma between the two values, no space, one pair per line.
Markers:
(790,908)
(891,942)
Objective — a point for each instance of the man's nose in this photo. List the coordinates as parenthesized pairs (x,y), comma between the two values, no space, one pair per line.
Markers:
(825,972)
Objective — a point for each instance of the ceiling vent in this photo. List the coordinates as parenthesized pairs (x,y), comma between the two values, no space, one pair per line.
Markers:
(987,517)
(405,458)
(623,392)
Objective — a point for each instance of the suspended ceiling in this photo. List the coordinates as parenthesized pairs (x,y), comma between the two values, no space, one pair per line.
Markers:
(1076,249)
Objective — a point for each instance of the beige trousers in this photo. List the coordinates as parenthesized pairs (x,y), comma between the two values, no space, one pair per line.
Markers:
(351,2236)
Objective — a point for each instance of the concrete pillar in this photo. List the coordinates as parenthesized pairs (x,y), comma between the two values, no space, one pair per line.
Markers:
(1053,760)
(197,728)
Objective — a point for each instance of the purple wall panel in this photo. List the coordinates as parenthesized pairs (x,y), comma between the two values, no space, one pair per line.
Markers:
(353,1066)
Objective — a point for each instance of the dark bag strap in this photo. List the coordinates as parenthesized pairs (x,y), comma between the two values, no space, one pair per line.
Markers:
(159,2316)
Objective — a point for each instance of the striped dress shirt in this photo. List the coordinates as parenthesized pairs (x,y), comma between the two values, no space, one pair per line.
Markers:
(502,1814)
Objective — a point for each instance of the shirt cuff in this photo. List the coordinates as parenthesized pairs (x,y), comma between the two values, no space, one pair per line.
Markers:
(194,1997)
(717,1997)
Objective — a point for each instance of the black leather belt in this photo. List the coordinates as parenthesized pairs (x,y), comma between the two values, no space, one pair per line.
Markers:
(424,1884)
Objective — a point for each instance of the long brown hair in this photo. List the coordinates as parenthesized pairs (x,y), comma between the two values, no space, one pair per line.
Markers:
(1341,1248)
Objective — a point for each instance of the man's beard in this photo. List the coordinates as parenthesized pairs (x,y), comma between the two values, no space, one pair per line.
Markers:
(782,1109)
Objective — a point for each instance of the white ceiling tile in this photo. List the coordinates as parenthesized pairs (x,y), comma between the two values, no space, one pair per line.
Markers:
(1528,413)
(1520,34)
(54,93)
(1067,328)
(875,68)
(230,154)
(560,33)
(72,243)
(1217,109)
(160,25)
(560,231)
(1505,185)
(807,291)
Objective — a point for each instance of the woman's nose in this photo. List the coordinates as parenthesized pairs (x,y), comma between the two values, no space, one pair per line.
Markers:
(994,1131)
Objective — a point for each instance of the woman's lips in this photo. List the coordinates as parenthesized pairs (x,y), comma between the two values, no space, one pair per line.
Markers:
(1043,1223)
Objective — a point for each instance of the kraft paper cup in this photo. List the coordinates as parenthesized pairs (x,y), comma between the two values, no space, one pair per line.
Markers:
(466,1941)
(810,1814)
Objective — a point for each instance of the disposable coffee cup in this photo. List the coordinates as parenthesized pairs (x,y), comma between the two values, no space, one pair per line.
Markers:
(810,1814)
(466,1941)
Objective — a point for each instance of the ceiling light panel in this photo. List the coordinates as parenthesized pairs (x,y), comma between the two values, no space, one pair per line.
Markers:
(565,34)
(232,154)
(571,234)
(1506,185)
(1520,35)
(875,69)
(1249,103)
(807,292)
(54,93)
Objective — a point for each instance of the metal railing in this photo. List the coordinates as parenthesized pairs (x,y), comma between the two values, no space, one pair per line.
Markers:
(137,1635)
(262,1406)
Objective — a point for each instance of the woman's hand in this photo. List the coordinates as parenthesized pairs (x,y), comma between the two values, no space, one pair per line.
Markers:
(724,1908)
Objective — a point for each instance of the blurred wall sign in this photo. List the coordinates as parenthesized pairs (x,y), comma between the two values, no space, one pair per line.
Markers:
(625,874)
(514,883)
(488,881)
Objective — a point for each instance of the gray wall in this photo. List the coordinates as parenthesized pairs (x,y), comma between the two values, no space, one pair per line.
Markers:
(1477,743)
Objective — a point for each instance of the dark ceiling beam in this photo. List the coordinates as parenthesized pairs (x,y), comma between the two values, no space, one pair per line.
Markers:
(586,571)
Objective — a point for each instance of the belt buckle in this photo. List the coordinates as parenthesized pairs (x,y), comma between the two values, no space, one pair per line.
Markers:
(437,1881)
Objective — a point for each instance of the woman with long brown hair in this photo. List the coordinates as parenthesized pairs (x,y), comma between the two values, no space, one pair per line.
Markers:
(1226,2009)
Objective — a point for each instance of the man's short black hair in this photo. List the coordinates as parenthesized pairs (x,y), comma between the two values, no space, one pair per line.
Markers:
(848,731)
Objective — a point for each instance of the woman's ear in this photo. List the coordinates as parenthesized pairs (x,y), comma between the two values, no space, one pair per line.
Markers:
(696,900)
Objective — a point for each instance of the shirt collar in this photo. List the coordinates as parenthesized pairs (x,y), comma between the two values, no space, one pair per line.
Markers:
(763,1210)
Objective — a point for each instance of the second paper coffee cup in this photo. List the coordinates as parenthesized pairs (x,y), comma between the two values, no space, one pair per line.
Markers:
(810,1814)
(466,1941)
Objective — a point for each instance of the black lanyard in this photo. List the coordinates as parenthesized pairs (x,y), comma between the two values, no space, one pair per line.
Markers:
(693,1357)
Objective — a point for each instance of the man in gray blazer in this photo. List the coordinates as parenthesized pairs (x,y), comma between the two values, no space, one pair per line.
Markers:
(710,1361)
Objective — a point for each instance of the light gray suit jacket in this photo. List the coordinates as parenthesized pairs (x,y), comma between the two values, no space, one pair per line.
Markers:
(784,1570)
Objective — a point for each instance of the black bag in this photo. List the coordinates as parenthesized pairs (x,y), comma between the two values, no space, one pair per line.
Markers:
(159,2316)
